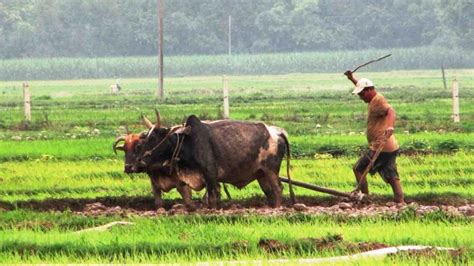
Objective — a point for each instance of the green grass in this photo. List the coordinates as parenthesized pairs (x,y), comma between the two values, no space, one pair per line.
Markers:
(49,238)
(297,102)
(65,147)
(65,157)
(88,179)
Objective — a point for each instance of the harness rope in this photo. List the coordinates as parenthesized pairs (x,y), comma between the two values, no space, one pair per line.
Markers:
(148,153)
(174,157)
(177,149)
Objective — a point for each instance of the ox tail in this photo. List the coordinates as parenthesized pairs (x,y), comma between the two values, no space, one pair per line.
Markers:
(288,157)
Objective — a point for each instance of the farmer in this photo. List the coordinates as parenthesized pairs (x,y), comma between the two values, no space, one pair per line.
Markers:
(380,121)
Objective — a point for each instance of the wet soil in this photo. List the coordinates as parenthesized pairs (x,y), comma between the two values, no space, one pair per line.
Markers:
(143,206)
(327,243)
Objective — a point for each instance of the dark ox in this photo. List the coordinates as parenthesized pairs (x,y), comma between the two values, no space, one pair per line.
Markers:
(224,151)
(162,180)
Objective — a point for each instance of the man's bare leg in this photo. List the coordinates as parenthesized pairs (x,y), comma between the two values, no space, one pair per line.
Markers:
(397,190)
(364,187)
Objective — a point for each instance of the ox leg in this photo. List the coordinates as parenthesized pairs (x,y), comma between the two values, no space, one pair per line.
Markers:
(272,189)
(205,198)
(267,190)
(277,189)
(213,197)
(186,194)
(213,193)
(156,193)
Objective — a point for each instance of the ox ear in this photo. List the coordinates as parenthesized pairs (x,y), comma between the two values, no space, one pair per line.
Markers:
(158,119)
(147,122)
(183,130)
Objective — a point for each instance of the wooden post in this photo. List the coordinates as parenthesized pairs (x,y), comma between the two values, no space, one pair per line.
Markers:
(160,47)
(27,101)
(226,97)
(455,90)
(444,78)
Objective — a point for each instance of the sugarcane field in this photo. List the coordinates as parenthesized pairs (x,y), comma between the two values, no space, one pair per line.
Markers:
(237,132)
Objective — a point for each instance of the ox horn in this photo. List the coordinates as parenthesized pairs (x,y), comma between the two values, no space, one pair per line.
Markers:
(158,119)
(117,140)
(147,122)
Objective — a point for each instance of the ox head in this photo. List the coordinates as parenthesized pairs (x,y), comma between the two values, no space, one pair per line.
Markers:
(157,148)
(130,145)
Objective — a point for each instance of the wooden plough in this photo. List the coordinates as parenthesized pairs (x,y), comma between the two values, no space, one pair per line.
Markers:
(355,195)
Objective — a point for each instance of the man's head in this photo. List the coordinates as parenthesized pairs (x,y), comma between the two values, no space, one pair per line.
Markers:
(362,84)
(364,89)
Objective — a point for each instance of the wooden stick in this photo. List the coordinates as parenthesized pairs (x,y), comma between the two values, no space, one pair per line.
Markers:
(455,91)
(27,101)
(363,178)
(371,61)
(226,97)
(317,188)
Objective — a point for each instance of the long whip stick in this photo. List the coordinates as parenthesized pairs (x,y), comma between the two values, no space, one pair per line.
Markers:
(370,62)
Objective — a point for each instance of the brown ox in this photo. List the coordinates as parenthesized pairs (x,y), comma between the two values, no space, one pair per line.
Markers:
(162,179)
(212,152)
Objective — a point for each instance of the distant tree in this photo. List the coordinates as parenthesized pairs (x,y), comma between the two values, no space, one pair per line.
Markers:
(456,27)
(275,31)
(45,28)
(15,28)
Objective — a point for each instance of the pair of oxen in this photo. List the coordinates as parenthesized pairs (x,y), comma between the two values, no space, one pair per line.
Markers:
(202,154)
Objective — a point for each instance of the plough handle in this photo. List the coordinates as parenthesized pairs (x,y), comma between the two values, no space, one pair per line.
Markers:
(376,154)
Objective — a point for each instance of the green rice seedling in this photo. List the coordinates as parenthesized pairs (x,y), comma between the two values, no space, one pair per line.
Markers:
(194,238)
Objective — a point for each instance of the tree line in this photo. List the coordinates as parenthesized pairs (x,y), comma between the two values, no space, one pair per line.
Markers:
(102,28)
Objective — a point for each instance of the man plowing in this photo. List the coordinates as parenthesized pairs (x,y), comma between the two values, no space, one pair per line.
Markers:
(383,146)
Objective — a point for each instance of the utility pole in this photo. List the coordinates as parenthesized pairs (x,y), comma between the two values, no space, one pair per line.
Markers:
(230,35)
(161,13)
(225,80)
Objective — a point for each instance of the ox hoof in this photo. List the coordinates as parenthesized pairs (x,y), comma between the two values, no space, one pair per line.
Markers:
(214,206)
(160,210)
(300,207)
(191,207)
